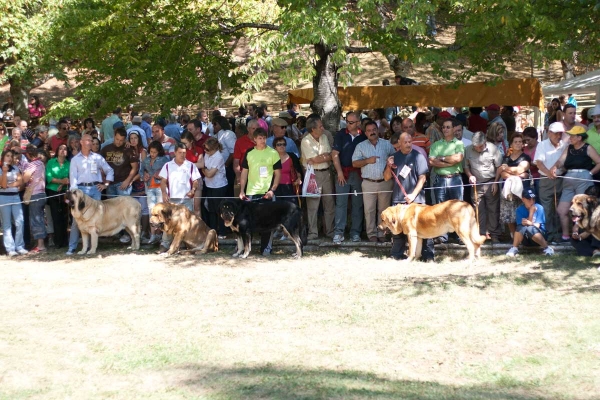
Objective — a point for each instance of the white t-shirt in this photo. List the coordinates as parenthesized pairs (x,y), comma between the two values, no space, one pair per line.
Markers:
(215,161)
(548,154)
(179,176)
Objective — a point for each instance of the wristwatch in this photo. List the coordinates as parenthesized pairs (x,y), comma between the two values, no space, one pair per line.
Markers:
(443,159)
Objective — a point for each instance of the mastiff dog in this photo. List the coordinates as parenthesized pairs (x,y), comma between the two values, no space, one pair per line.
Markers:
(104,218)
(245,218)
(185,227)
(420,221)
(586,214)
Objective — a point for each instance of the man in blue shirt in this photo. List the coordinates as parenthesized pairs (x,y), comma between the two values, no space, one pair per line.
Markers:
(279,128)
(531,225)
(173,129)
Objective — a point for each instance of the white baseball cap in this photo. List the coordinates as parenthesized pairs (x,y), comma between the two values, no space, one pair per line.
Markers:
(594,111)
(556,127)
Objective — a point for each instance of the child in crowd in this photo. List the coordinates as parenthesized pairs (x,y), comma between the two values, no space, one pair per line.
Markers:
(531,225)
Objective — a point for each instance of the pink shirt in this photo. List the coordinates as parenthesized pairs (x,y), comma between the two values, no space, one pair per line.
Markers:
(263,124)
(38,177)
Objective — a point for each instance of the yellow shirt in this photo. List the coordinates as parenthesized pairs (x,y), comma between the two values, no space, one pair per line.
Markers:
(310,147)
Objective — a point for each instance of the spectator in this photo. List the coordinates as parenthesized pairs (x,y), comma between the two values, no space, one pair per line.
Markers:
(17,134)
(445,158)
(418,139)
(136,123)
(242,145)
(434,131)
(378,116)
(173,129)
(34,177)
(581,161)
(261,172)
(315,150)
(371,157)
(507,115)
(73,146)
(530,141)
(106,130)
(516,166)
(531,225)
(60,138)
(168,143)
(179,182)
(227,139)
(146,125)
(496,134)
(96,145)
(36,110)
(10,182)
(291,172)
(57,182)
(493,113)
(88,126)
(138,189)
(570,119)
(206,127)
(41,138)
(124,162)
(482,159)
(194,154)
(215,180)
(413,181)
(279,129)
(151,167)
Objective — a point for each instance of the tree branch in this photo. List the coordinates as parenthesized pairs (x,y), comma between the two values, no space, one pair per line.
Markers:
(235,28)
(350,49)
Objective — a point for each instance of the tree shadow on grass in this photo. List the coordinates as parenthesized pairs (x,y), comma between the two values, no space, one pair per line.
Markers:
(275,382)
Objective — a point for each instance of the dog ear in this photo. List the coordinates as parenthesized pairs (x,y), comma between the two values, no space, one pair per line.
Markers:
(167,213)
(592,202)
(80,204)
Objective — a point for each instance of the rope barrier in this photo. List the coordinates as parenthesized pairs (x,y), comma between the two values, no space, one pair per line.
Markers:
(354,193)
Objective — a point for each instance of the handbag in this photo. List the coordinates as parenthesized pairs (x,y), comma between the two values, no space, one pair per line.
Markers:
(310,187)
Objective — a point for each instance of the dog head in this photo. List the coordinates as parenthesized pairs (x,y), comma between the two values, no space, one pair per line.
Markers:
(582,207)
(228,210)
(391,219)
(75,198)
(160,214)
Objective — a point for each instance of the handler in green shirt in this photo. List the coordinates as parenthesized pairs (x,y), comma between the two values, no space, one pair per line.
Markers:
(445,157)
(57,182)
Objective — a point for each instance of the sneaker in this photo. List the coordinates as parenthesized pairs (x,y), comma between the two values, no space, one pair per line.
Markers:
(355,238)
(266,253)
(12,254)
(338,239)
(145,241)
(70,252)
(22,252)
(549,251)
(512,252)
(125,239)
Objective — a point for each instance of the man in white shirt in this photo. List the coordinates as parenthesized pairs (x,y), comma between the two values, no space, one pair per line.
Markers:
(546,154)
(178,185)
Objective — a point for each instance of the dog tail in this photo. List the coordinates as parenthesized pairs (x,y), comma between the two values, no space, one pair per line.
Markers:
(475,236)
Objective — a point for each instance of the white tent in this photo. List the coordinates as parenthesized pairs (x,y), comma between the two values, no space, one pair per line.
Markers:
(586,83)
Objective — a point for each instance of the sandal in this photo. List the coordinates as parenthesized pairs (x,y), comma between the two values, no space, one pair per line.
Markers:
(37,250)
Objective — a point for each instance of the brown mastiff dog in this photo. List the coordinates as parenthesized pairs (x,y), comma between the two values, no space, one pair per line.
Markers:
(184,226)
(104,218)
(586,214)
(420,221)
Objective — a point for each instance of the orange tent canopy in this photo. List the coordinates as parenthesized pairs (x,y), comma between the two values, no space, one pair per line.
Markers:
(517,92)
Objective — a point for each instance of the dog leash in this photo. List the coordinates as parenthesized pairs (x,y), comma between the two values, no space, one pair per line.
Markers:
(398,182)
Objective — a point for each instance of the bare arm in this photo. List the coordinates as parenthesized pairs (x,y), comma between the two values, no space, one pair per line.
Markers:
(243,181)
(593,154)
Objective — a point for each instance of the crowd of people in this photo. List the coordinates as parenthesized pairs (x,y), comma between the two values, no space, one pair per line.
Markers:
(423,155)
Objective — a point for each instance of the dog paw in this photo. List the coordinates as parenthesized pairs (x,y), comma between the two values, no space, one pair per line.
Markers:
(235,255)
(244,256)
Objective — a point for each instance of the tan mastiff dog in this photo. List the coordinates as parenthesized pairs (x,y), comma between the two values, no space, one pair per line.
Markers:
(177,220)
(586,214)
(104,218)
(420,221)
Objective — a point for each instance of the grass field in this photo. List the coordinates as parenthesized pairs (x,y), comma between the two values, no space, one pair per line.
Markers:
(342,325)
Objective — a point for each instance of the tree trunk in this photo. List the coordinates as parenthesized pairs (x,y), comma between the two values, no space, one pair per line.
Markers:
(401,68)
(568,68)
(326,102)
(20,95)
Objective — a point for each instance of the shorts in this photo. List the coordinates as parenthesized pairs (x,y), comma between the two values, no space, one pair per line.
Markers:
(528,232)
(571,187)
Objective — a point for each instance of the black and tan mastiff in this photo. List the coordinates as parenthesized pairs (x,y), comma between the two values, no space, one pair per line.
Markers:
(104,218)
(185,227)
(420,221)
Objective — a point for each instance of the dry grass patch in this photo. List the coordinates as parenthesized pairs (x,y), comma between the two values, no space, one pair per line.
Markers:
(344,324)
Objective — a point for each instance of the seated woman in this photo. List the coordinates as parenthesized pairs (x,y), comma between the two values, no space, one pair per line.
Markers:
(514,165)
(581,161)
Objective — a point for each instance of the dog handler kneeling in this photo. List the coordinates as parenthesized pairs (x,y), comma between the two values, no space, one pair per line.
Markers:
(410,168)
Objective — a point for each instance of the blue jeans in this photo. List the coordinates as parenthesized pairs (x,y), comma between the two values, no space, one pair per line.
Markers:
(36,215)
(114,190)
(443,192)
(9,214)
(353,183)
(93,192)
(154,197)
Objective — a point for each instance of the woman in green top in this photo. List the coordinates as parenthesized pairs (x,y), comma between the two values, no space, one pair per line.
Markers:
(57,182)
